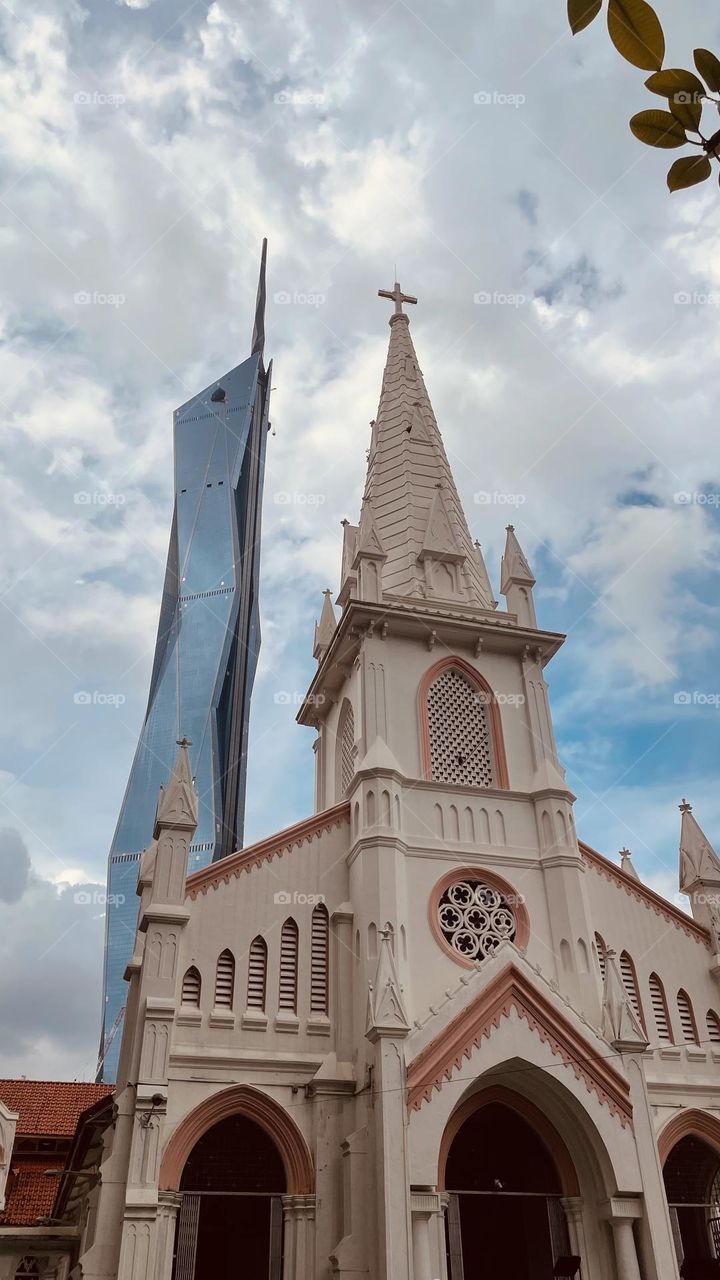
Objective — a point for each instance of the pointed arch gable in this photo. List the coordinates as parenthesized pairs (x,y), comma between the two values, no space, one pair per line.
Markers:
(496,731)
(246,1101)
(509,990)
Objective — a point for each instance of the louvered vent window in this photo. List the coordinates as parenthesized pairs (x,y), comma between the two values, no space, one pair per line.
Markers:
(257,974)
(288,966)
(319,960)
(347,744)
(601,950)
(713,1026)
(627,973)
(459,727)
(191,988)
(659,1008)
(687,1018)
(224,981)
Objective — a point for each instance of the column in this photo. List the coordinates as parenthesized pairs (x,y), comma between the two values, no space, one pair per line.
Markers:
(621,1212)
(423,1205)
(656,1241)
(168,1207)
(299,1237)
(573,1207)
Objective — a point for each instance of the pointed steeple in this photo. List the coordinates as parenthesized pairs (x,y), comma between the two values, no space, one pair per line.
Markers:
(258,333)
(177,803)
(325,628)
(626,864)
(620,1024)
(700,879)
(517,581)
(386,1014)
(416,511)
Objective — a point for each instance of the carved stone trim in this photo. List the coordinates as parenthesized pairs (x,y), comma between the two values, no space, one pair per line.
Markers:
(511,990)
(641,893)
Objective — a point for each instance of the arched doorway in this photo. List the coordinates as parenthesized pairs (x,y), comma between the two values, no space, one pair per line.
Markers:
(692,1185)
(230,1220)
(505,1213)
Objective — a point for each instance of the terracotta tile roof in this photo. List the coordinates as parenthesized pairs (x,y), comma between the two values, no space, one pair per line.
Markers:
(50,1108)
(30,1194)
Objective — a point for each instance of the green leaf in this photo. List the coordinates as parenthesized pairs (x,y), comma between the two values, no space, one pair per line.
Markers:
(636,33)
(709,67)
(687,110)
(672,80)
(581,13)
(688,170)
(658,129)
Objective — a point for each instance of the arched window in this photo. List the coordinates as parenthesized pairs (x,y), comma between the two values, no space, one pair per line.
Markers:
(346,748)
(687,1018)
(225,981)
(287,997)
(459,729)
(629,980)
(319,949)
(191,986)
(601,955)
(713,1027)
(257,974)
(660,1009)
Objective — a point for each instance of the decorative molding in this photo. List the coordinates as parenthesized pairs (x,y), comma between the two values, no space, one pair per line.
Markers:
(536,1118)
(649,898)
(693,1122)
(245,1101)
(479,873)
(496,731)
(509,990)
(301,833)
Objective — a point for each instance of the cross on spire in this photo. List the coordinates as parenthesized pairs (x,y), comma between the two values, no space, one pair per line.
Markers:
(397,296)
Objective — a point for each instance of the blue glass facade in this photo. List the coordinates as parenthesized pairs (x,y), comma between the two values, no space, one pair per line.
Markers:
(206,652)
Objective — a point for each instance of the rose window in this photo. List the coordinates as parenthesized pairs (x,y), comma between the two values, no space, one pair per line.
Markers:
(475,918)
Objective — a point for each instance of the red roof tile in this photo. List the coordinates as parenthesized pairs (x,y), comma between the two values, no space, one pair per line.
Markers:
(50,1108)
(30,1193)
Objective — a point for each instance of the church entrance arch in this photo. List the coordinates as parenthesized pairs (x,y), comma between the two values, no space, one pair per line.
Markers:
(231,1215)
(506,1172)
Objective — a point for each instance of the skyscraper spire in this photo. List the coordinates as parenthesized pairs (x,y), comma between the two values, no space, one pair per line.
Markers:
(258,333)
(421,538)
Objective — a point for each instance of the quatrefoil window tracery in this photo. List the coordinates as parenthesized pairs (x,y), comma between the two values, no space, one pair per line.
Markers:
(475,919)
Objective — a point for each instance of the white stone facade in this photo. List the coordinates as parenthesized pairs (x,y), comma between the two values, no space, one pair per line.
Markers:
(363,1086)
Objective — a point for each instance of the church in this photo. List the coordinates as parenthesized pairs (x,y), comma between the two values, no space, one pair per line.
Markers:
(426,1033)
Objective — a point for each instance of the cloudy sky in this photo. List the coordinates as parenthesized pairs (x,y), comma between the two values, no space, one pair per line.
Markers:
(148,147)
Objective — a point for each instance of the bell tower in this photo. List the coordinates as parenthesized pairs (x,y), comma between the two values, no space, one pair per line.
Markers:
(432,712)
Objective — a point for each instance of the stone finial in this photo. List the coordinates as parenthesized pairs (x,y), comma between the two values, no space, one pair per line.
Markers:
(177,805)
(620,1024)
(699,863)
(517,581)
(397,296)
(626,864)
(386,1014)
(325,628)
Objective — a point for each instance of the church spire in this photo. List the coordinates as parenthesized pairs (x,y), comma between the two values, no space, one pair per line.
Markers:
(517,581)
(419,539)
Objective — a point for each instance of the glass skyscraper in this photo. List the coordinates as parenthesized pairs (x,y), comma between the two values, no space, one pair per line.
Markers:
(207,648)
